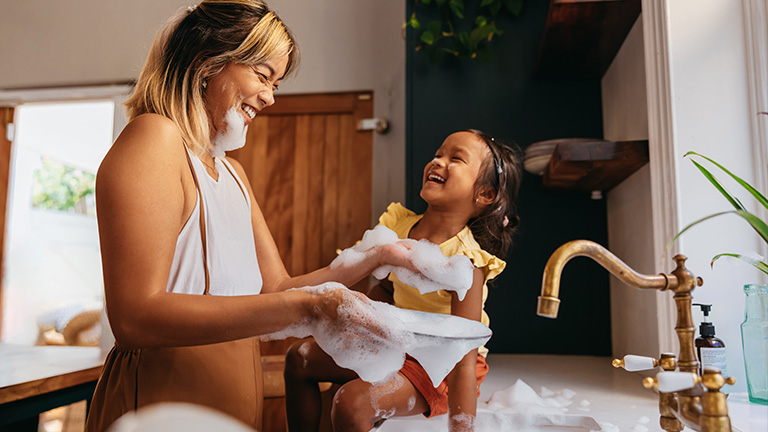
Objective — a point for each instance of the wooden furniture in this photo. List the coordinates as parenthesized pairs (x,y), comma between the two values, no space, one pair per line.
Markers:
(581,38)
(593,165)
(6,120)
(310,170)
(35,379)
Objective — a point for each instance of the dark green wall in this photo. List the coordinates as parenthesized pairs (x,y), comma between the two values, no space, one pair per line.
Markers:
(503,98)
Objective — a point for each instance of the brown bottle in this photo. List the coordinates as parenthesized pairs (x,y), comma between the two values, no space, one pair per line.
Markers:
(709,349)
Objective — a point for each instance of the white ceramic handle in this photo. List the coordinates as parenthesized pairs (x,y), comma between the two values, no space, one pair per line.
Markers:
(634,363)
(675,381)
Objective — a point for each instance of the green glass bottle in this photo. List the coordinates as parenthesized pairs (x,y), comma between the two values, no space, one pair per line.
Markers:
(754,337)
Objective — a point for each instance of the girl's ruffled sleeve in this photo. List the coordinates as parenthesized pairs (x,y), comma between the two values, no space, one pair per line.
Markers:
(490,264)
(394,215)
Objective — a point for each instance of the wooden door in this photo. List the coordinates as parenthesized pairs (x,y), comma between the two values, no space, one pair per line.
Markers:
(310,170)
(6,122)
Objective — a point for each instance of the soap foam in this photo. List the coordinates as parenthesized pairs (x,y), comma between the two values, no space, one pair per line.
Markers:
(519,408)
(233,137)
(372,338)
(436,271)
(462,422)
(382,390)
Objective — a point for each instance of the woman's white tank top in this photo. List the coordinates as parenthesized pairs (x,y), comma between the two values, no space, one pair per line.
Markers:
(233,268)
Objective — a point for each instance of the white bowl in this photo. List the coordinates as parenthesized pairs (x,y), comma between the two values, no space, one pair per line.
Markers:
(536,164)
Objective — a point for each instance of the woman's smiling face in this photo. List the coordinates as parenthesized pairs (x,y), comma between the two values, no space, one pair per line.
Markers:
(247,89)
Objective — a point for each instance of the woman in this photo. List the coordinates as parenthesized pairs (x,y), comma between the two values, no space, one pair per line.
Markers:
(191,272)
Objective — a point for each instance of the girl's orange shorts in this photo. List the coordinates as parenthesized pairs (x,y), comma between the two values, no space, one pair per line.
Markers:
(437,398)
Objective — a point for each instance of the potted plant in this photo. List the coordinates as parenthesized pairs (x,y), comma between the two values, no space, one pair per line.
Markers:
(754,329)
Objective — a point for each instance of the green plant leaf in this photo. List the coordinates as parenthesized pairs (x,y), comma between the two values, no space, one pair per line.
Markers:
(755,193)
(763,267)
(495,7)
(716,183)
(692,224)
(479,34)
(514,6)
(427,37)
(757,223)
(486,3)
(426,2)
(480,21)
(457,8)
(414,22)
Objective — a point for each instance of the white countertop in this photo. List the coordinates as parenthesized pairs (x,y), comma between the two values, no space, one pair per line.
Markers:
(610,396)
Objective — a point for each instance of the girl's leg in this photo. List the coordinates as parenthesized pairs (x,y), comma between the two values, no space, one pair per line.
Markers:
(359,405)
(305,366)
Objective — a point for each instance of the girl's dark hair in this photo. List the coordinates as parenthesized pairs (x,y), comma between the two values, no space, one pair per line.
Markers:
(502,172)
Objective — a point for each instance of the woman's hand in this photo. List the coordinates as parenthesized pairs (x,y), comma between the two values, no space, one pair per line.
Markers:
(327,299)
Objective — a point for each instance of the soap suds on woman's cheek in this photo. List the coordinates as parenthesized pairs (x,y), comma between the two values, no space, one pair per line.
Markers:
(233,136)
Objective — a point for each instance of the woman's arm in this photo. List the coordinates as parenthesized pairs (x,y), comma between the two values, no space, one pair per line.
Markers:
(462,381)
(144,194)
(273,271)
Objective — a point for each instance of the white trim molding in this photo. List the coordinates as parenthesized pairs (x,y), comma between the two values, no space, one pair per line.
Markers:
(13,97)
(756,40)
(663,162)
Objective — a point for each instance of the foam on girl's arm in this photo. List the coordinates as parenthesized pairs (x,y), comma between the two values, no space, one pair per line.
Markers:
(437,272)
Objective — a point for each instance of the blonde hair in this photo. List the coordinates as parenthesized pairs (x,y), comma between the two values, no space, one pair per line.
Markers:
(196,44)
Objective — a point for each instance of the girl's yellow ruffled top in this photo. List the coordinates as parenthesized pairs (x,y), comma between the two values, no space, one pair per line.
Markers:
(400,220)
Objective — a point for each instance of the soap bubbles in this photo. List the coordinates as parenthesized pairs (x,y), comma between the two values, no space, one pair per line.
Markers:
(372,338)
(436,271)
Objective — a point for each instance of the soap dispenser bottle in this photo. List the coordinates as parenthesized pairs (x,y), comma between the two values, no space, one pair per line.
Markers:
(710,349)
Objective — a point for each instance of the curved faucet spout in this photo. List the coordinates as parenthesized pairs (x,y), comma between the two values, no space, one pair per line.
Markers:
(549,302)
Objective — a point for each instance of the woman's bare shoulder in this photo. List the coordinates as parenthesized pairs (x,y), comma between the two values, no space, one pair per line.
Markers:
(147,139)
(150,130)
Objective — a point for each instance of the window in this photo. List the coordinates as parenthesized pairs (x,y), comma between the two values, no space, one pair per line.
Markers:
(52,253)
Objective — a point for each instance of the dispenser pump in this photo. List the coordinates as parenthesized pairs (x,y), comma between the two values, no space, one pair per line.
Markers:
(710,350)
(706,329)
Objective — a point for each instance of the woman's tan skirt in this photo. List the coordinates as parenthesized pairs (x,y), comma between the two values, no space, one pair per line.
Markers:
(224,376)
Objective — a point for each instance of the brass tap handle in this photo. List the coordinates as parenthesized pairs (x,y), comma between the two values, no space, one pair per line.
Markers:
(714,380)
(634,363)
(668,361)
(669,382)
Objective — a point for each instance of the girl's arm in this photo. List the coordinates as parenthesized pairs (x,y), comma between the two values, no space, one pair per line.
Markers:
(273,271)
(462,381)
(144,194)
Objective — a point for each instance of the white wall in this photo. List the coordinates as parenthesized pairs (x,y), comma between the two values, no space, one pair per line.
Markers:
(698,69)
(709,90)
(634,319)
(345,44)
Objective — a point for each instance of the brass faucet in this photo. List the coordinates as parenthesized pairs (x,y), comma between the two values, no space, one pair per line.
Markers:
(688,407)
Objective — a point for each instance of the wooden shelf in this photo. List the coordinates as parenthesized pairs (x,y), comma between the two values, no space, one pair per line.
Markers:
(593,165)
(581,38)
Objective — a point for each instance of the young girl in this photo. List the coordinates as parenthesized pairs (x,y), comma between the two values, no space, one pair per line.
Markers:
(470,187)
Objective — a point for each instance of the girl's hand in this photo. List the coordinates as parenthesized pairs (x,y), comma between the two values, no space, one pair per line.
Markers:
(397,254)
